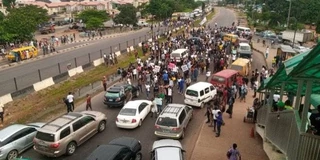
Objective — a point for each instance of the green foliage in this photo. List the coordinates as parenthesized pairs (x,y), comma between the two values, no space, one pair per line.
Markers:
(1,16)
(94,23)
(86,15)
(22,22)
(127,15)
(318,26)
(8,3)
(163,9)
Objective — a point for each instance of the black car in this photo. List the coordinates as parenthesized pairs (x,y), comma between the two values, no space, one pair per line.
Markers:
(124,148)
(117,95)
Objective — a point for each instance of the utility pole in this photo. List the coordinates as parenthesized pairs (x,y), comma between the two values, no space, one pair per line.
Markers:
(289,13)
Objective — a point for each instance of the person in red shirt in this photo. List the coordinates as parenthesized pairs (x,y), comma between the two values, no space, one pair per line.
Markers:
(88,103)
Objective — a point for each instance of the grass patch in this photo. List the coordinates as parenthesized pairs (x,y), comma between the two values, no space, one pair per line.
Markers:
(208,16)
(47,104)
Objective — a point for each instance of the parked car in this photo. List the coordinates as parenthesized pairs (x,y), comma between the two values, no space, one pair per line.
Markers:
(133,113)
(167,149)
(173,120)
(64,134)
(117,95)
(300,49)
(123,148)
(17,138)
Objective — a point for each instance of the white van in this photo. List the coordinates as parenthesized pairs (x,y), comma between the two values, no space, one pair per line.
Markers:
(199,93)
(244,29)
(179,54)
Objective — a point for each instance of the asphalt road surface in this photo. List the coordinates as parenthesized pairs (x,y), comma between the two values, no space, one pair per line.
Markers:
(146,132)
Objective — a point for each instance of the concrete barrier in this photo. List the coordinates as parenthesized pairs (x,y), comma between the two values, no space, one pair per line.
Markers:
(140,44)
(131,48)
(118,53)
(6,99)
(97,62)
(61,77)
(74,71)
(43,84)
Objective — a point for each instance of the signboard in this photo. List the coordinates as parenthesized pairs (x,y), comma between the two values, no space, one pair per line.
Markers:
(204,20)
(171,65)
(175,69)
(184,68)
(156,69)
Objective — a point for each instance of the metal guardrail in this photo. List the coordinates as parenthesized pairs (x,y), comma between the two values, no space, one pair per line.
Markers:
(262,115)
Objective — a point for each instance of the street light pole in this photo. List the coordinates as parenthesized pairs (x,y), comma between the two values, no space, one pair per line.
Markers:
(289,13)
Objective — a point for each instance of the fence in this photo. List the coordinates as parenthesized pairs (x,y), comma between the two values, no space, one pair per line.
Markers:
(28,79)
(282,130)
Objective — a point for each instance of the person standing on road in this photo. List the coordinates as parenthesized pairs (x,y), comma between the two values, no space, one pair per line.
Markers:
(147,90)
(65,100)
(220,122)
(1,112)
(233,153)
(153,107)
(214,115)
(70,99)
(159,101)
(267,52)
(104,83)
(169,95)
(88,103)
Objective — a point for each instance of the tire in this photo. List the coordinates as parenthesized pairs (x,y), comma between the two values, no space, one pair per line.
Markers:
(137,93)
(12,155)
(138,156)
(71,148)
(102,126)
(202,105)
(140,123)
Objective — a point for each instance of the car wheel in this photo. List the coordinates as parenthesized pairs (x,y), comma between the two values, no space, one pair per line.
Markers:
(102,126)
(12,155)
(202,105)
(140,123)
(137,93)
(71,148)
(138,156)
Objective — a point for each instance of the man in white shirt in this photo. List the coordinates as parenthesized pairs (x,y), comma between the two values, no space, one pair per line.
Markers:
(208,74)
(147,90)
(215,111)
(169,95)
(70,99)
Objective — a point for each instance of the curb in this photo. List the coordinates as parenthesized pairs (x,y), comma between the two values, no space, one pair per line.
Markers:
(198,139)
(41,56)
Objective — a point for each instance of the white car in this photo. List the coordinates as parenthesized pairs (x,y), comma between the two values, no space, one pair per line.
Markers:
(300,49)
(133,113)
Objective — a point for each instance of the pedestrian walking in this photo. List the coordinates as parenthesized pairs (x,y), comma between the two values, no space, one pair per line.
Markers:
(147,90)
(215,115)
(243,92)
(219,123)
(66,102)
(169,95)
(208,114)
(70,99)
(1,112)
(267,52)
(88,106)
(230,108)
(154,107)
(233,153)
(159,101)
(104,83)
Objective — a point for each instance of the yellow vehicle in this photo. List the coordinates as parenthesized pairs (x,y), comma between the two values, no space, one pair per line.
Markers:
(19,54)
(243,66)
(231,37)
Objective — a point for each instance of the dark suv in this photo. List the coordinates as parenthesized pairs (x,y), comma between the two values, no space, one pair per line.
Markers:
(119,94)
(124,148)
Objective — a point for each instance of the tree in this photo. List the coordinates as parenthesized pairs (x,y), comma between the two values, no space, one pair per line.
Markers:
(127,15)
(94,23)
(86,15)
(318,26)
(1,16)
(9,3)
(22,22)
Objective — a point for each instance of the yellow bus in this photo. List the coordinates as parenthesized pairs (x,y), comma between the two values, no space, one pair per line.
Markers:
(23,53)
(232,38)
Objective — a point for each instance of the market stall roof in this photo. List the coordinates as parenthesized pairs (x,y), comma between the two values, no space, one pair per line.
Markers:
(315,100)
(309,67)
(287,48)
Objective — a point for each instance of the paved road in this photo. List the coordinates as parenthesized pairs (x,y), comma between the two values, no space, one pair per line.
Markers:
(27,73)
(145,133)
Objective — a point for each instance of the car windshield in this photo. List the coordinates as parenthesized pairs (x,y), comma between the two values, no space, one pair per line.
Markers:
(166,121)
(45,136)
(175,55)
(218,79)
(13,53)
(192,93)
(236,67)
(112,94)
(245,48)
(128,112)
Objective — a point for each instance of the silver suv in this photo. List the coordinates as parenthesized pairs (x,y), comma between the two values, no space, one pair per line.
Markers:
(167,149)
(64,134)
(173,121)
